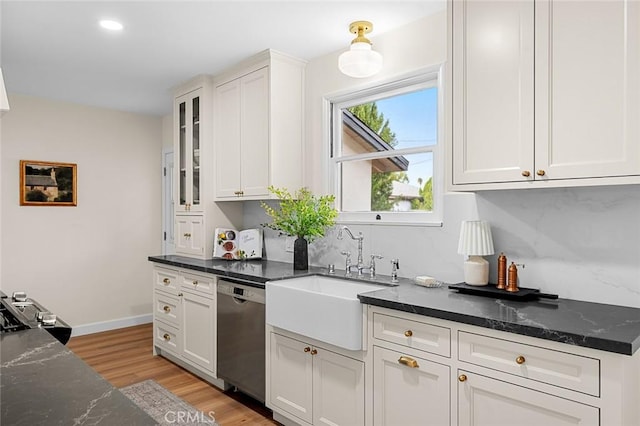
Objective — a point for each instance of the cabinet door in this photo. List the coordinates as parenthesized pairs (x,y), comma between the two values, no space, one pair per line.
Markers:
(485,401)
(493,80)
(227,139)
(338,389)
(198,330)
(189,236)
(291,376)
(187,146)
(409,394)
(587,88)
(255,133)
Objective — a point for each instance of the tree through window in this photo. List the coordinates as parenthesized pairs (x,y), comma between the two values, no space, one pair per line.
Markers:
(383,148)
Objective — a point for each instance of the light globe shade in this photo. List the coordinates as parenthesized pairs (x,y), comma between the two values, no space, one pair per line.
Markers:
(360,61)
(475,241)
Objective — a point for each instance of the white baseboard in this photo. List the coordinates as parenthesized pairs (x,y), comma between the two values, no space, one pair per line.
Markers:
(97,327)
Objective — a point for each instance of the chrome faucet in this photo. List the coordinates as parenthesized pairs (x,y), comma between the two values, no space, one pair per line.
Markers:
(359,239)
(360,266)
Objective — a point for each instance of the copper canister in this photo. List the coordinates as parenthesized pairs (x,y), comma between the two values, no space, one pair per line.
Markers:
(512,280)
(502,272)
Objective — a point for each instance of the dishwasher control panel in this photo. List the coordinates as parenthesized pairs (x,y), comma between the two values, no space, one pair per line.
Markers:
(241,291)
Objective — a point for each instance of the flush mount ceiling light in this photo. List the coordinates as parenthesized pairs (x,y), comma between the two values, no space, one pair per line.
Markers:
(360,61)
(111,25)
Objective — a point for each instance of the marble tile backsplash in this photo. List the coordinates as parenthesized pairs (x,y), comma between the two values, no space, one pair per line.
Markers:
(580,243)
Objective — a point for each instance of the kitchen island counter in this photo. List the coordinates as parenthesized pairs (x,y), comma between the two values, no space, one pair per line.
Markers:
(44,383)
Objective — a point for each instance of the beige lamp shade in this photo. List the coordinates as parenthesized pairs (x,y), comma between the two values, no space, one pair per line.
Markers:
(475,241)
(475,238)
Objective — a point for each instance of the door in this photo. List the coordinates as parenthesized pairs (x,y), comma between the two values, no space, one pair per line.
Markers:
(493,97)
(338,389)
(487,402)
(291,376)
(409,390)
(587,89)
(198,330)
(168,244)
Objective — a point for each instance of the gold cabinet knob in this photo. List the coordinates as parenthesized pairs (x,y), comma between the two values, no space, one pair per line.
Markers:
(167,309)
(520,360)
(180,294)
(540,172)
(187,235)
(314,352)
(462,378)
(408,333)
(408,361)
(195,283)
(526,173)
(307,349)
(166,281)
(166,337)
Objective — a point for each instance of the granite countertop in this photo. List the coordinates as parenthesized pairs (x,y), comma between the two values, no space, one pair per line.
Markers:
(609,328)
(44,383)
(257,270)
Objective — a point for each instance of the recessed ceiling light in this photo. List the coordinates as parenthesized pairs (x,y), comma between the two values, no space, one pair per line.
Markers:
(111,25)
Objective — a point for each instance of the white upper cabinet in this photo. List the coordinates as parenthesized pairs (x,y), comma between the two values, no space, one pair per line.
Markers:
(258,127)
(189,133)
(544,93)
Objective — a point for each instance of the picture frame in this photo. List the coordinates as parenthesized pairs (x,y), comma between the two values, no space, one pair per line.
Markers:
(48,183)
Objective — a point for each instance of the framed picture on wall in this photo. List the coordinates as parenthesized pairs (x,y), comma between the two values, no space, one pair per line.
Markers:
(45,183)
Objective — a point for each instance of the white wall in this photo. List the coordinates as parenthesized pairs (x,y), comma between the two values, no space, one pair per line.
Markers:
(581,243)
(87,263)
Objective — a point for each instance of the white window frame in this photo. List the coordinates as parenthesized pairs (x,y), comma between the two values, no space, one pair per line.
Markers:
(333,105)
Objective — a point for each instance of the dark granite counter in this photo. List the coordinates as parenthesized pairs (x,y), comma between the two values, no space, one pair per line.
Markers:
(44,383)
(257,270)
(593,325)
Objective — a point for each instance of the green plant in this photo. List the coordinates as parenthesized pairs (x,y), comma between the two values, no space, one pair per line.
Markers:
(302,214)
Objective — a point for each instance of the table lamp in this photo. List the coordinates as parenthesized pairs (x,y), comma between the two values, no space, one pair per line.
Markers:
(475,242)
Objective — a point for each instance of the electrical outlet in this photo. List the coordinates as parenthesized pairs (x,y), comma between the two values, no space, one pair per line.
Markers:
(288,244)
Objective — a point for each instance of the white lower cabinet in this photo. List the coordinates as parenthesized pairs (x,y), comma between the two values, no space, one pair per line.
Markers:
(184,318)
(437,372)
(408,390)
(483,401)
(198,320)
(314,385)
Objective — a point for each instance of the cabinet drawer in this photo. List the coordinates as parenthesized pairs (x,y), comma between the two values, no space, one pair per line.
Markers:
(199,283)
(166,280)
(167,308)
(167,337)
(561,369)
(413,334)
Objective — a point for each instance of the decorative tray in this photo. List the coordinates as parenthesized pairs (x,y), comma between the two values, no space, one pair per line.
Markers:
(490,290)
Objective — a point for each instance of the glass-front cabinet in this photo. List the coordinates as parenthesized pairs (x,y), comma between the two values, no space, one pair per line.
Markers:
(188,128)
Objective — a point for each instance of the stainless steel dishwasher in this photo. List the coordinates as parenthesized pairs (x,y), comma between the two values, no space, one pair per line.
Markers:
(241,335)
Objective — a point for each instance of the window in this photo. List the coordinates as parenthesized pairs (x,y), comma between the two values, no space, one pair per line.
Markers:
(385,152)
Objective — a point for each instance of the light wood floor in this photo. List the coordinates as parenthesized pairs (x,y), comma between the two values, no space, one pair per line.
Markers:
(125,356)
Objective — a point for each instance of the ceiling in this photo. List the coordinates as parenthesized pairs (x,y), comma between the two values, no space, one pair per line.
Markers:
(55,49)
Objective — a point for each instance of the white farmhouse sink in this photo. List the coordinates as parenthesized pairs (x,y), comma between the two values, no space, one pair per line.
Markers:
(322,308)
